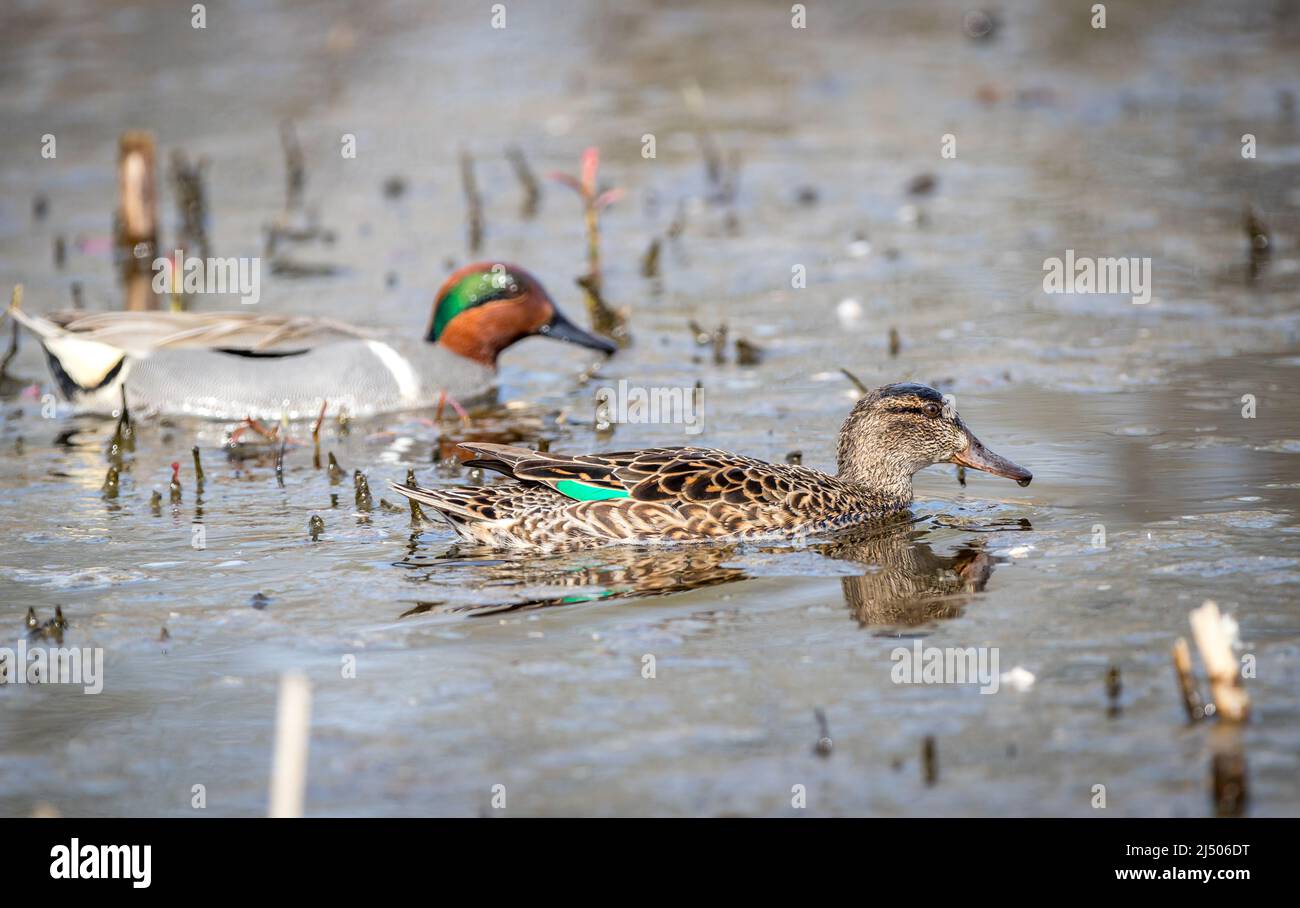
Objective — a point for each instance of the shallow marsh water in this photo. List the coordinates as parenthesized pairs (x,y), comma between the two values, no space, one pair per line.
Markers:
(477,668)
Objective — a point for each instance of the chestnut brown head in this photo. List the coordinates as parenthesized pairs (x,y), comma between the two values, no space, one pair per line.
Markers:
(485,307)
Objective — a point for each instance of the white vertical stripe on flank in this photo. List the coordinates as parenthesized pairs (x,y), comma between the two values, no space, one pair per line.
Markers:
(407,384)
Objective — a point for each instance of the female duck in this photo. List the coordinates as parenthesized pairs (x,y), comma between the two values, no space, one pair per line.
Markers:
(237,365)
(679,494)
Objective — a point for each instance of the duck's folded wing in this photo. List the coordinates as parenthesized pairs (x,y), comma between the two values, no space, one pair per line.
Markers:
(670,475)
(237,332)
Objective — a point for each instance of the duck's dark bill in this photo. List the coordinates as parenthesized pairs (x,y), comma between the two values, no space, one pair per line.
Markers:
(561,328)
(978,457)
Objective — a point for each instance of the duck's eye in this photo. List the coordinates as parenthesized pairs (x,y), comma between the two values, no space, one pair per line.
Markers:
(932,410)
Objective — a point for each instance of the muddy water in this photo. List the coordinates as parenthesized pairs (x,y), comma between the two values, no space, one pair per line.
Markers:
(476,668)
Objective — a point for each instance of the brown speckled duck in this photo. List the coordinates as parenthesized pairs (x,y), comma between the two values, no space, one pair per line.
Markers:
(693,494)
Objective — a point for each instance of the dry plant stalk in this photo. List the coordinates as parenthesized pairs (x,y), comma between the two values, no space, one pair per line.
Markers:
(137,211)
(417,513)
(292,731)
(1192,701)
(857,382)
(295,166)
(929,761)
(1212,640)
(650,261)
(473,203)
(524,173)
(191,201)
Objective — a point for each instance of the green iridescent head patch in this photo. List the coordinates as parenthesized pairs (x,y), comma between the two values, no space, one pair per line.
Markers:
(472,290)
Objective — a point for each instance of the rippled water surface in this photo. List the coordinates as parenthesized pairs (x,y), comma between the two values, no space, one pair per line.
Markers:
(476,668)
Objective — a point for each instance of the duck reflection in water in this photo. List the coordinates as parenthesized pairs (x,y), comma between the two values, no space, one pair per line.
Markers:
(905,582)
(912,584)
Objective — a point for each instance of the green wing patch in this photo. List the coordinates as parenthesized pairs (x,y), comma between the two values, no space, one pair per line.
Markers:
(581,491)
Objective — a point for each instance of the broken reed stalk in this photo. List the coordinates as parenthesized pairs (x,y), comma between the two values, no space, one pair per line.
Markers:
(111,483)
(315,436)
(650,261)
(730,186)
(678,224)
(294,165)
(1114,688)
(857,382)
(364,500)
(748,353)
(417,513)
(292,732)
(1230,698)
(191,201)
(720,345)
(1257,234)
(722,175)
(136,221)
(139,294)
(824,744)
(714,168)
(473,202)
(604,320)
(712,158)
(1192,701)
(198,471)
(532,190)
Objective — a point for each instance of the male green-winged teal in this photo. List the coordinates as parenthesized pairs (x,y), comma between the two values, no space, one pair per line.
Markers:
(236,365)
(682,494)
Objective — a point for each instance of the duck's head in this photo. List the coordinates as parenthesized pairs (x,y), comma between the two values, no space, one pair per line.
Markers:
(900,429)
(487,306)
